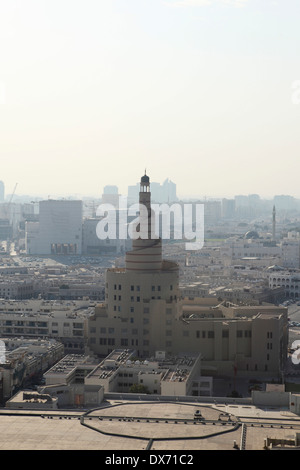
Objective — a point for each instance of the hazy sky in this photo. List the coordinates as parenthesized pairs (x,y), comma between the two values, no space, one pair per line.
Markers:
(199,91)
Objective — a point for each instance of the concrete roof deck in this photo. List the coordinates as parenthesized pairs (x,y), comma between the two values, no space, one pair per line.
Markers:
(129,430)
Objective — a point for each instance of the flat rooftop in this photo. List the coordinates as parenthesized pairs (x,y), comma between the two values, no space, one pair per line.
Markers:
(68,363)
(133,426)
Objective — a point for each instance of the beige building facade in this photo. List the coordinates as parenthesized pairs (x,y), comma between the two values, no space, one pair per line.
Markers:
(144,311)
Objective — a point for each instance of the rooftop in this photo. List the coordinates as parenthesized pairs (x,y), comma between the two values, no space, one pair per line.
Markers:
(136,426)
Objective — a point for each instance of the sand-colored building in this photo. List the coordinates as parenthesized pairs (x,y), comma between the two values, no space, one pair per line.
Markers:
(145,311)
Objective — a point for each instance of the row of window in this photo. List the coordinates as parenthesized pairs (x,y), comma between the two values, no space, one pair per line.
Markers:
(138,288)
(199,334)
(287,286)
(39,324)
(123,342)
(225,334)
(124,331)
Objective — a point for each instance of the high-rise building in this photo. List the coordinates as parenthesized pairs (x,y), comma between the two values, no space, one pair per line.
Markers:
(59,230)
(228,208)
(2,192)
(110,195)
(160,193)
(274,224)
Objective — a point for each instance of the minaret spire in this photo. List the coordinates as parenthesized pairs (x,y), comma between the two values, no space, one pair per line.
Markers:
(146,253)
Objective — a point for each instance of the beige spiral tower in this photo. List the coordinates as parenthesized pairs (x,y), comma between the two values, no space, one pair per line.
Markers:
(146,253)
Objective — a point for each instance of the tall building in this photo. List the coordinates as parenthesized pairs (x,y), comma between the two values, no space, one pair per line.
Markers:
(2,193)
(228,208)
(110,195)
(274,224)
(161,193)
(59,230)
(139,295)
(144,310)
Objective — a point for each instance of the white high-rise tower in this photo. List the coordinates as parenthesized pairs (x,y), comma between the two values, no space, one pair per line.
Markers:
(274,224)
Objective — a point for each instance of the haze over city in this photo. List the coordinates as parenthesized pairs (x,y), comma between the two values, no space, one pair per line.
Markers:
(149,227)
(197,91)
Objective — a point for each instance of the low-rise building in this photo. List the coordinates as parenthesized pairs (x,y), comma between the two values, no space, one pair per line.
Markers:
(121,371)
(23,360)
(62,320)
(289,281)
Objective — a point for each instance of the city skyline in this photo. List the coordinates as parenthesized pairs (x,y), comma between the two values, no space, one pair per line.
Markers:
(200,91)
(253,198)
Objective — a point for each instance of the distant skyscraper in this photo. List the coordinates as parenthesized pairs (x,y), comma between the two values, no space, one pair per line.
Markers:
(110,189)
(110,195)
(274,224)
(59,230)
(1,191)
(284,202)
(161,193)
(228,208)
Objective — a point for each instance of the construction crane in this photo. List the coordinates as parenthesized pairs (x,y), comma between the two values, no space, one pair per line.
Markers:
(13,193)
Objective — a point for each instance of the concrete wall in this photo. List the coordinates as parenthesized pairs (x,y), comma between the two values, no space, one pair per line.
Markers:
(271,398)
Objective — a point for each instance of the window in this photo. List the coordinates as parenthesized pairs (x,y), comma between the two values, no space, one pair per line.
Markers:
(248,334)
(153,288)
(225,334)
(131,287)
(138,288)
(146,309)
(239,333)
(111,330)
(210,334)
(138,299)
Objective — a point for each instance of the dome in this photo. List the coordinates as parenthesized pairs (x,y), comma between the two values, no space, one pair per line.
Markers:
(275,267)
(145,179)
(251,235)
